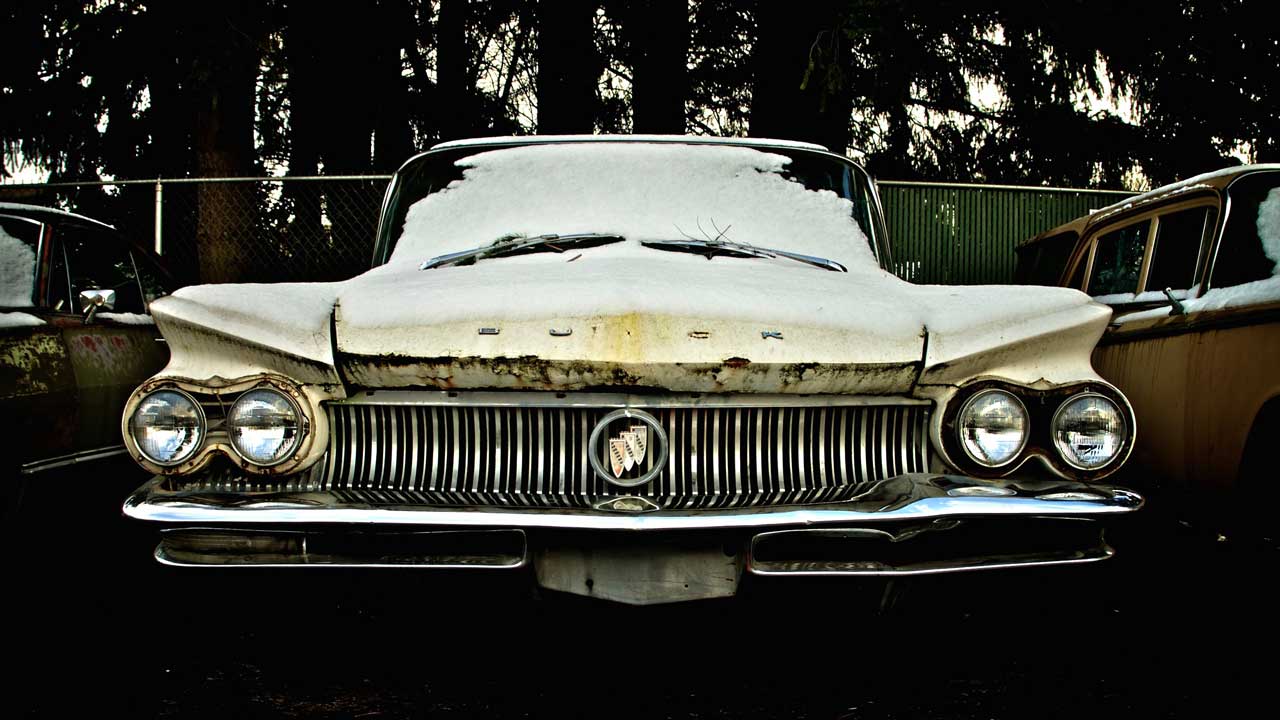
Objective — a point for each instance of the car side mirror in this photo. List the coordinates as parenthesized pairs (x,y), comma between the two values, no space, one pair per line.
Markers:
(93,300)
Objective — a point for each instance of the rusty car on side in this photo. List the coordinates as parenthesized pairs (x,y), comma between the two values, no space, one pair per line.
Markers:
(1192,271)
(75,339)
(647,366)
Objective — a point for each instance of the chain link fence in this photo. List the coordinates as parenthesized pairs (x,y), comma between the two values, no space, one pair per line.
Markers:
(234,229)
(322,228)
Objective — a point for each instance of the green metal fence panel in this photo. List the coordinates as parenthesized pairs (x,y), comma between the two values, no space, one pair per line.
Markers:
(966,234)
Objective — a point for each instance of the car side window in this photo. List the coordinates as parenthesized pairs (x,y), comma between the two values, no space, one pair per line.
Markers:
(1177,248)
(19,244)
(98,260)
(1117,259)
(1254,219)
(1042,263)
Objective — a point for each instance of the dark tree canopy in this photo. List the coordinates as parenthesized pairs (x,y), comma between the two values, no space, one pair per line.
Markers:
(1071,92)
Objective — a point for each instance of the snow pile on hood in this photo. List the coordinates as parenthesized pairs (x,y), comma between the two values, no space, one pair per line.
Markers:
(642,192)
(625,279)
(17,271)
(290,316)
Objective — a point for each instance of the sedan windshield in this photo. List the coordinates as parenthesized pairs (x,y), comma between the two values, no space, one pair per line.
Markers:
(779,202)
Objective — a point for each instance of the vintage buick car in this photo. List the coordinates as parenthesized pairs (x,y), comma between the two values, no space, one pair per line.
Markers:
(646,366)
(1192,271)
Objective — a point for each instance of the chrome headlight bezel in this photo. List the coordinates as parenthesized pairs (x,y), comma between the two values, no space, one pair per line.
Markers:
(215,401)
(1042,405)
(299,431)
(202,425)
(961,427)
(1122,445)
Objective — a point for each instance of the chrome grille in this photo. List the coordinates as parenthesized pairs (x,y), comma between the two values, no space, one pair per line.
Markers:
(537,456)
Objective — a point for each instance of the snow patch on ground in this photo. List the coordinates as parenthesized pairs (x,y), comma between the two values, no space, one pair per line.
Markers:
(17,271)
(642,192)
(17,319)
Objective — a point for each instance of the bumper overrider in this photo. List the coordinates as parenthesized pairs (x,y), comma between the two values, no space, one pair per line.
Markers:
(909,524)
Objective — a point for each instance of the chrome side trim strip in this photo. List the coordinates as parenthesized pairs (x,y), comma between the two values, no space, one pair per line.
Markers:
(802,569)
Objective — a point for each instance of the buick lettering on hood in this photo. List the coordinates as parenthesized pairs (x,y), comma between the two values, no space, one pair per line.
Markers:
(648,367)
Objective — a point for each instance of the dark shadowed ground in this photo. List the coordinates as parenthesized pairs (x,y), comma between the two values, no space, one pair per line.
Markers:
(1179,625)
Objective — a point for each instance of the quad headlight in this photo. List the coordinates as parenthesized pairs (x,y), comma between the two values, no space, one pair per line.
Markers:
(168,427)
(1089,431)
(265,426)
(993,427)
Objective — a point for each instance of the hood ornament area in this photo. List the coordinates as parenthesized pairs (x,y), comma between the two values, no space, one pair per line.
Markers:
(628,448)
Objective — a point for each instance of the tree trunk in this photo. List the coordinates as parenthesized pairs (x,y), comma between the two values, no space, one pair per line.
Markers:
(457,116)
(303,45)
(659,35)
(799,92)
(393,140)
(568,67)
(222,90)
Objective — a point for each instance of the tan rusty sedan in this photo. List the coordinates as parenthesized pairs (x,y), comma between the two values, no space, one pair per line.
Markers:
(1193,273)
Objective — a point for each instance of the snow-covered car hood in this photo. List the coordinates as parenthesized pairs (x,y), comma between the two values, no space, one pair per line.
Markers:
(628,317)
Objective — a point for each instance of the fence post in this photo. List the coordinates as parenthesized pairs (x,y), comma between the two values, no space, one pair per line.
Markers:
(159,217)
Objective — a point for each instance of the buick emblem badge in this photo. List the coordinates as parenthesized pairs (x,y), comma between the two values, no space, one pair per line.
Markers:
(628,447)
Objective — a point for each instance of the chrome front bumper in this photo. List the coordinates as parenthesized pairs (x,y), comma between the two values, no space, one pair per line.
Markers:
(906,525)
(911,497)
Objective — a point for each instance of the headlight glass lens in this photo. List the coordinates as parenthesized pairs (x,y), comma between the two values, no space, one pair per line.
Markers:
(1089,431)
(168,427)
(264,427)
(993,427)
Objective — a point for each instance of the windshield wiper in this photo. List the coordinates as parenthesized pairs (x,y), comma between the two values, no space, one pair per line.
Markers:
(712,248)
(550,242)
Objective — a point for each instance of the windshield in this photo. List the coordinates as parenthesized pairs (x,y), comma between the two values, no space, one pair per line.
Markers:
(786,199)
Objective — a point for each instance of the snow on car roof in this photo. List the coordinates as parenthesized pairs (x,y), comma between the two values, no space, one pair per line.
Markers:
(1203,180)
(685,139)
